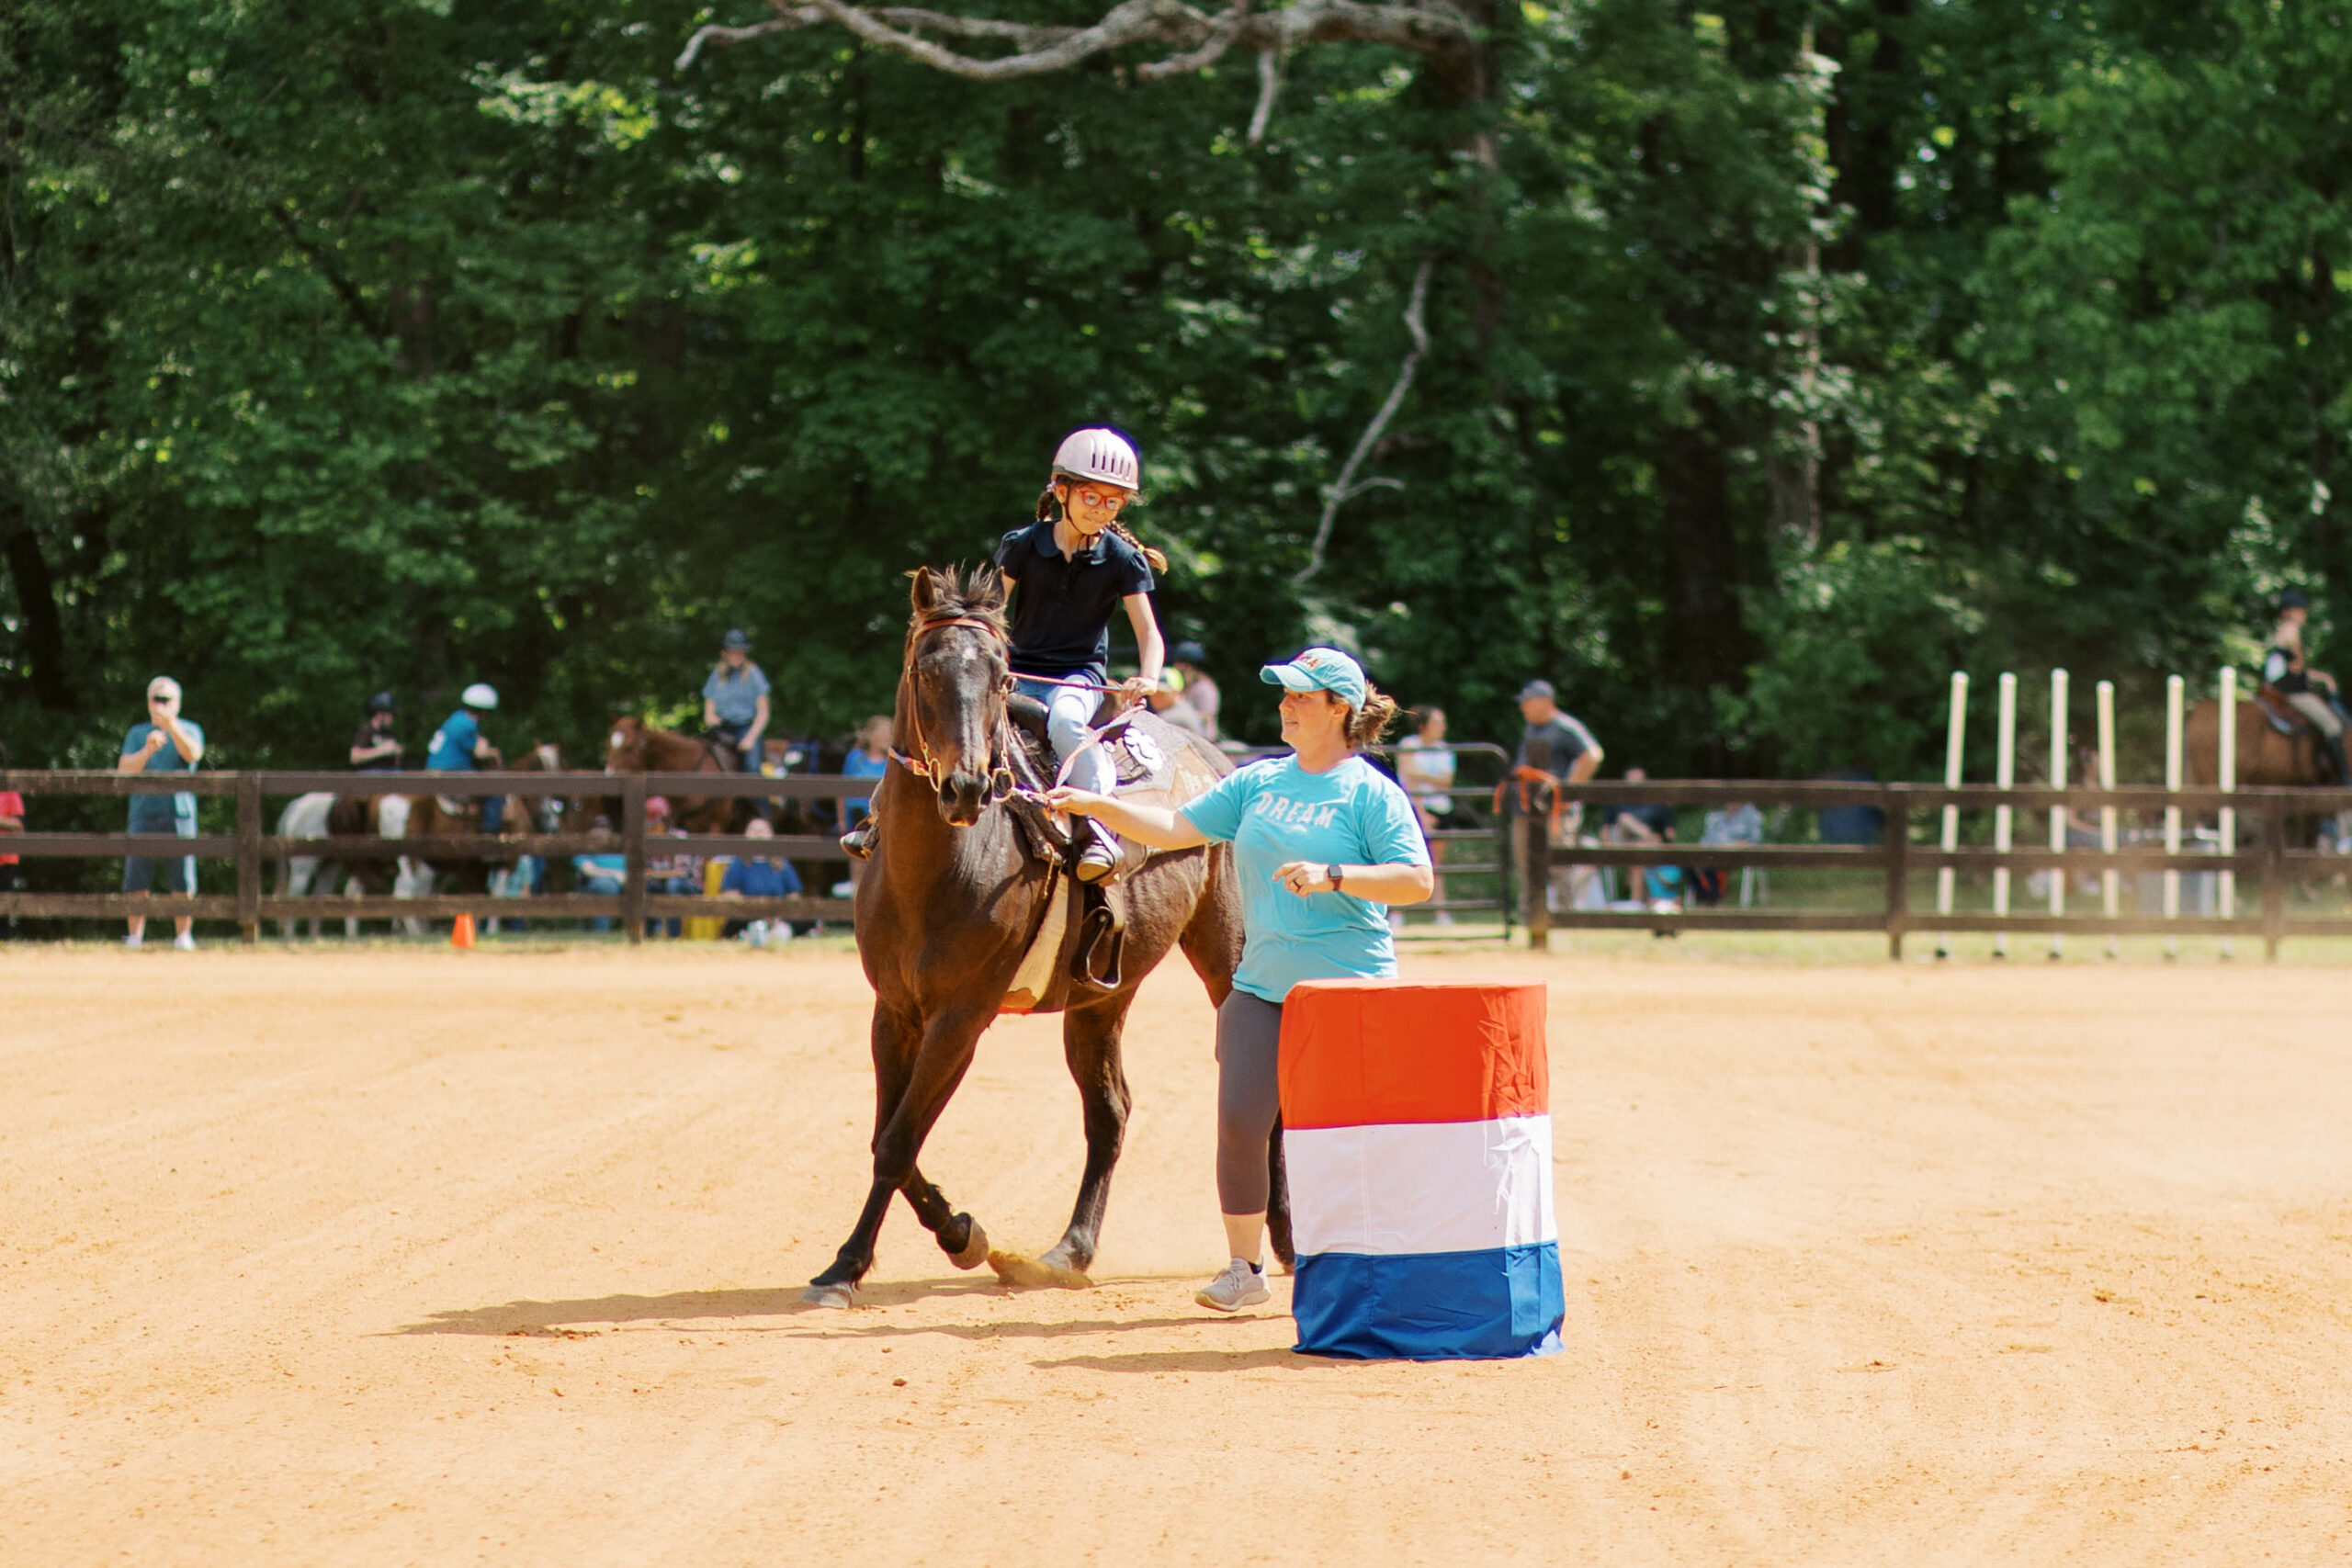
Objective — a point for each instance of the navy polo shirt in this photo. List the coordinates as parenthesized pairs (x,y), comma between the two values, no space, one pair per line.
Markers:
(1061,613)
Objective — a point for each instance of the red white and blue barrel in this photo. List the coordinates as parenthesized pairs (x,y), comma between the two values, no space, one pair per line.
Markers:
(1417,1125)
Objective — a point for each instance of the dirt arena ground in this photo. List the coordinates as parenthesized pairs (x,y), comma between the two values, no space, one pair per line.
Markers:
(392,1256)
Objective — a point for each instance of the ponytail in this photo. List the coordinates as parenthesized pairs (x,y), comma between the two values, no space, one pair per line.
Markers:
(1158,562)
(1048,506)
(1367,724)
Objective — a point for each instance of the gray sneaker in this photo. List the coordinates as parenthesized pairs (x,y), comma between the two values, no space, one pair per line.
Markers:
(1238,1286)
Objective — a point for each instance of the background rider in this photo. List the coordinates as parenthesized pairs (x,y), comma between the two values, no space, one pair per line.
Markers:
(459,745)
(2313,691)
(375,750)
(735,702)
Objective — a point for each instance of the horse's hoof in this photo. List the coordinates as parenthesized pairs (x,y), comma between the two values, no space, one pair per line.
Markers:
(975,1251)
(830,1295)
(1019,1270)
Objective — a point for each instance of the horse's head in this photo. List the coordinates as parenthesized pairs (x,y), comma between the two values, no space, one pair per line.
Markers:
(952,695)
(624,747)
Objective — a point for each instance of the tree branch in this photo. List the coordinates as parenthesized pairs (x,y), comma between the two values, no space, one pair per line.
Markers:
(1269,87)
(1432,28)
(1345,486)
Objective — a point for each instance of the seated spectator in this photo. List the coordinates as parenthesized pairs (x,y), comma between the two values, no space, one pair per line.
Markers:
(1651,824)
(12,820)
(1738,823)
(1168,702)
(761,877)
(601,876)
(673,875)
(869,759)
(1200,692)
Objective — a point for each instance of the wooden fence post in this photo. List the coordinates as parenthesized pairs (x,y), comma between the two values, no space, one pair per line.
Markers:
(633,853)
(1535,825)
(2274,878)
(1898,845)
(249,857)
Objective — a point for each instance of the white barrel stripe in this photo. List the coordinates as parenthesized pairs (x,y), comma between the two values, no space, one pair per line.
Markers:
(1424,1186)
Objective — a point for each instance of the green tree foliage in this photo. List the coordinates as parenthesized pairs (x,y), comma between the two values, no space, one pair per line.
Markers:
(1779,356)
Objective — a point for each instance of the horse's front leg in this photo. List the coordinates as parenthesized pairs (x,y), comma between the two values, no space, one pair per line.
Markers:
(1091,1038)
(912,1088)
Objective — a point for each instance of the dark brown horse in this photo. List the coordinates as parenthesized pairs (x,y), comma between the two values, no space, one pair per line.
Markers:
(636,746)
(946,912)
(429,818)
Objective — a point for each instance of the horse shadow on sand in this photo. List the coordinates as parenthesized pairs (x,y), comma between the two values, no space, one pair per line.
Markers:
(736,1312)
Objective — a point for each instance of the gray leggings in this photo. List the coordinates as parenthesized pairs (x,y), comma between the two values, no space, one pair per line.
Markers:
(1249,1100)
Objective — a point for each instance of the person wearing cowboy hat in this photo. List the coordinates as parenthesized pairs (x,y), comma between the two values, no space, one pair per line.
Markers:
(375,750)
(735,702)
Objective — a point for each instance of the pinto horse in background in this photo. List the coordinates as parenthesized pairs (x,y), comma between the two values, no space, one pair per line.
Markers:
(638,746)
(946,914)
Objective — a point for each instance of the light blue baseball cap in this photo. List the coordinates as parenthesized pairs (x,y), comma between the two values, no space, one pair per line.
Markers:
(1324,669)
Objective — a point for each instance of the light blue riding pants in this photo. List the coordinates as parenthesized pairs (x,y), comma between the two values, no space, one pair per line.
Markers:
(1067,710)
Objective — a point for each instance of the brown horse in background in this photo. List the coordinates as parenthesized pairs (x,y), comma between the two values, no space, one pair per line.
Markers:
(948,909)
(2265,757)
(636,746)
(429,818)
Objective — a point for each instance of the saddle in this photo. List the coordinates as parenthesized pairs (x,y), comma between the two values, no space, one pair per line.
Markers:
(1155,767)
(2282,713)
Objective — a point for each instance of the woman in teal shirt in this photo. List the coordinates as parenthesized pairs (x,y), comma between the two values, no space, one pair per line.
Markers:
(1325,844)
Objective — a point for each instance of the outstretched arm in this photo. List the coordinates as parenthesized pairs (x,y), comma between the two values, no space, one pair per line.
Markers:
(1156,826)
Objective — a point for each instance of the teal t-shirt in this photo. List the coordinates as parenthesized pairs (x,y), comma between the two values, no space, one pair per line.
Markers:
(1274,812)
(163,813)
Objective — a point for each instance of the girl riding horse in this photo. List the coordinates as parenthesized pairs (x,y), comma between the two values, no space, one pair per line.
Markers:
(1070,568)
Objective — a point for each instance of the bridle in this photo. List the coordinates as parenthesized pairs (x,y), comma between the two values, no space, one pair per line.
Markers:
(920,762)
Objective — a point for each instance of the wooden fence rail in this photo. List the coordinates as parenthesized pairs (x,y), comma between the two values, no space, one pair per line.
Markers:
(2264,856)
(251,848)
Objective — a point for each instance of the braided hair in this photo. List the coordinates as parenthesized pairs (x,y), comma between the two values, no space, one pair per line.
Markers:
(1049,505)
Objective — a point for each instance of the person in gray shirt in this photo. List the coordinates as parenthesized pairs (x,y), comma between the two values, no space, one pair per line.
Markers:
(735,702)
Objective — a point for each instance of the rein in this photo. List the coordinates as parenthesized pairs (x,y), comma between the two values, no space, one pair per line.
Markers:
(922,764)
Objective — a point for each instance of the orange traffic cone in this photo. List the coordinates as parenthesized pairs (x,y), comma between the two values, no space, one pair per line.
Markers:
(462,933)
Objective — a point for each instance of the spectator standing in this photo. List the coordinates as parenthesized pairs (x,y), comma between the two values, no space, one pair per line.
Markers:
(761,877)
(459,745)
(12,820)
(1200,692)
(375,750)
(1572,756)
(1425,766)
(735,702)
(166,743)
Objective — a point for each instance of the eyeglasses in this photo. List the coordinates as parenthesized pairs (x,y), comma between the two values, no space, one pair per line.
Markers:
(1101,500)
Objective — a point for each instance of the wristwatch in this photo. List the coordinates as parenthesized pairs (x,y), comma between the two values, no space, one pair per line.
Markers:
(1333,871)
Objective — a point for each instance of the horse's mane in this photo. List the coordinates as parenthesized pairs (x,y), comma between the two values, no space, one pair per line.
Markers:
(960,596)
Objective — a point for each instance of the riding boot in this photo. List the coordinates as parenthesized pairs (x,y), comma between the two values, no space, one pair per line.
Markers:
(858,842)
(1100,858)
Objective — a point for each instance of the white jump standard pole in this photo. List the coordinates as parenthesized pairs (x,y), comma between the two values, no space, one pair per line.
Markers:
(1952,737)
(2109,879)
(2175,698)
(2004,777)
(2225,774)
(2057,813)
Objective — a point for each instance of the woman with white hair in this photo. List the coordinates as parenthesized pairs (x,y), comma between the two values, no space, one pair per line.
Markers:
(164,743)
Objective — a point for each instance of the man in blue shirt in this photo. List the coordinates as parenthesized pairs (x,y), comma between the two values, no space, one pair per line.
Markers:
(735,702)
(460,744)
(760,878)
(166,743)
